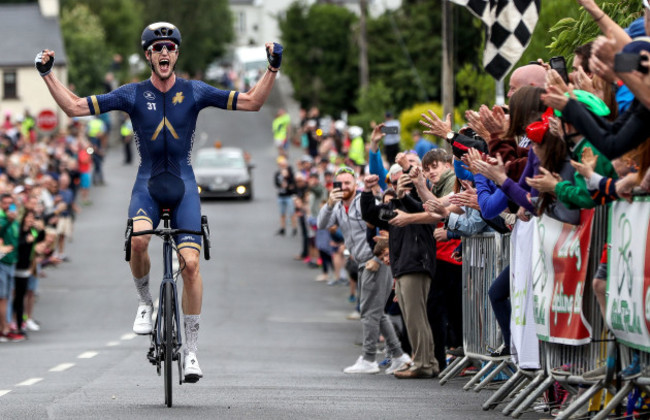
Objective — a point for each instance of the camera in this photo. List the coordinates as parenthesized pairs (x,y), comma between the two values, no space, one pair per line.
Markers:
(559,64)
(386,214)
(337,184)
(390,129)
(627,62)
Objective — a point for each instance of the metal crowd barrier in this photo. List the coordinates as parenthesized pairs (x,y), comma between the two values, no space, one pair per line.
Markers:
(484,257)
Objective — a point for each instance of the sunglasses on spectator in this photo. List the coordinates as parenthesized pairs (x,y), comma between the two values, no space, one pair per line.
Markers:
(345,170)
(171,47)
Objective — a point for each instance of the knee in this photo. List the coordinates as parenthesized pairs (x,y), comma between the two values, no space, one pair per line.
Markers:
(600,286)
(191,266)
(139,244)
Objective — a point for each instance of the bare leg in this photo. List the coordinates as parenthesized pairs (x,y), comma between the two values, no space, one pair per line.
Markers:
(600,288)
(192,282)
(140,262)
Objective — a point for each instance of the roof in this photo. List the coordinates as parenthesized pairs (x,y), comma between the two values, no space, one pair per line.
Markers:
(30,33)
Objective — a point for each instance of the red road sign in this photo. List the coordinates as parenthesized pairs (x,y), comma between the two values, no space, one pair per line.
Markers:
(46,120)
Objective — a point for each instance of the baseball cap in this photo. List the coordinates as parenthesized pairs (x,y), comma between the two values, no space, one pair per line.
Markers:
(636,28)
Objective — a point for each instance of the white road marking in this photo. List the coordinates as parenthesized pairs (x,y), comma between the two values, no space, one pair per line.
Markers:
(129,336)
(113,343)
(4,392)
(61,367)
(87,355)
(30,381)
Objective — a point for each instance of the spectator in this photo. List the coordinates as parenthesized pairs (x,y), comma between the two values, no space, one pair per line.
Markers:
(412,257)
(281,131)
(422,145)
(286,186)
(9,234)
(343,209)
(30,233)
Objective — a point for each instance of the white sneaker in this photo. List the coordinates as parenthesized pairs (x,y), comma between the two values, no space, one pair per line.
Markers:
(354,316)
(401,363)
(362,366)
(142,324)
(32,325)
(191,368)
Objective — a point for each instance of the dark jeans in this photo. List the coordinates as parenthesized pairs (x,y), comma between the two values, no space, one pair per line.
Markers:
(452,276)
(500,298)
(20,289)
(327,262)
(304,253)
(391,151)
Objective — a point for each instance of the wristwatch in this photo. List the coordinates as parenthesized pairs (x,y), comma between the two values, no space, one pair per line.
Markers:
(451,136)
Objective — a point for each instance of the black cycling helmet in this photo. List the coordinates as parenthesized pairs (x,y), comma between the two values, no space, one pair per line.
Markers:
(160,31)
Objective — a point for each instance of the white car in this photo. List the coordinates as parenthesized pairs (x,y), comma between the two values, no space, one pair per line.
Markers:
(223,172)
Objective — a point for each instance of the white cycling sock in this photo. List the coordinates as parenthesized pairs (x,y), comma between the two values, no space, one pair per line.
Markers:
(191,332)
(142,287)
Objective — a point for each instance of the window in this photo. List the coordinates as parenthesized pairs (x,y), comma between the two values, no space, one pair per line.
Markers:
(9,85)
(242,22)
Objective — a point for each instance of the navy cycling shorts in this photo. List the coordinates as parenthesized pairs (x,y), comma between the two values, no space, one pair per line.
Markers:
(185,215)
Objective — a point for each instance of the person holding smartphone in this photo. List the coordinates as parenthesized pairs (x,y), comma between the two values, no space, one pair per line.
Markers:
(343,208)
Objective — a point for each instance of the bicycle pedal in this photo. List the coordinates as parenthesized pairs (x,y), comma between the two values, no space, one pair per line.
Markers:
(192,378)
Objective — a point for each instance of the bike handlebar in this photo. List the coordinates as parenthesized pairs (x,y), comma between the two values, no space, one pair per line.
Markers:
(163,232)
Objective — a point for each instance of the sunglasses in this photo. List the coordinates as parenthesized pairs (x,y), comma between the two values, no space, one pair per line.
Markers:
(345,170)
(171,47)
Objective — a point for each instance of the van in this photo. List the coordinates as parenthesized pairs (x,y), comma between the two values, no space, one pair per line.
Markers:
(250,64)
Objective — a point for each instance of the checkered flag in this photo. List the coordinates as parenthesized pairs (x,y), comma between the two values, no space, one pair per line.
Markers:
(509,27)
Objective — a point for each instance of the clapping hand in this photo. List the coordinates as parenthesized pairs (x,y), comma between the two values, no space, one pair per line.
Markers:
(435,125)
(495,172)
(495,121)
(545,181)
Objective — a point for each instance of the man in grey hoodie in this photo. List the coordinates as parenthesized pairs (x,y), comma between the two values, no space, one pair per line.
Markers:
(375,279)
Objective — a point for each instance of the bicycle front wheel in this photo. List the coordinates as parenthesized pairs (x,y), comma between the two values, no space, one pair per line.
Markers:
(168,339)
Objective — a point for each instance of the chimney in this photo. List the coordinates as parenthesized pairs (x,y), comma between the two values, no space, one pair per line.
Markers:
(49,8)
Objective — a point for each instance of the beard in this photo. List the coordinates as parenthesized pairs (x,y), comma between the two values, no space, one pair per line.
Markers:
(348,195)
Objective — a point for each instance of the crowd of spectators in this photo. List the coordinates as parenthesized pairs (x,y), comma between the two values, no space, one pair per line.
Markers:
(558,146)
(42,178)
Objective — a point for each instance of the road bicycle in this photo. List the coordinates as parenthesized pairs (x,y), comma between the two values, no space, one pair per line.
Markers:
(166,340)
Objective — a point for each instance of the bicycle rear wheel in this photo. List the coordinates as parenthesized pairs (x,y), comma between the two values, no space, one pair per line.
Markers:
(168,340)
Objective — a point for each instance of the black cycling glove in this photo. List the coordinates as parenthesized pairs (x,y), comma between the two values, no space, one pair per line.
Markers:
(43,69)
(276,59)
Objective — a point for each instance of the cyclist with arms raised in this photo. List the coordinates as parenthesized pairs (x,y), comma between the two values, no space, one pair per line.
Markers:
(163,110)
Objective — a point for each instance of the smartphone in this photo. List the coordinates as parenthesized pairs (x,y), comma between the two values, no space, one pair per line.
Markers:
(12,207)
(337,184)
(390,129)
(558,64)
(627,62)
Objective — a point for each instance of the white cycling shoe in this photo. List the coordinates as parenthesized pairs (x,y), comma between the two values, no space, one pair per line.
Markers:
(191,368)
(143,324)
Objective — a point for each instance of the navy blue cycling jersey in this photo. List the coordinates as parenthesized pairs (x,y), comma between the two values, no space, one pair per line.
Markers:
(163,129)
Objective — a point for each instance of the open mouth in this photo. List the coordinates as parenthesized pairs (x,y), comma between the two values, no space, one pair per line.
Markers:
(164,65)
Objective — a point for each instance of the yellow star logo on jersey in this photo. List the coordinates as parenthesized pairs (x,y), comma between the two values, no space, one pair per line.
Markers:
(178,98)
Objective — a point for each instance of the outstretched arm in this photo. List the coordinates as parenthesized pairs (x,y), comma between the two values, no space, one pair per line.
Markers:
(255,98)
(70,103)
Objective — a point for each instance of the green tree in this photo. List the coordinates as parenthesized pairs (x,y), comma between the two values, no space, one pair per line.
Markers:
(122,23)
(322,56)
(206,27)
(85,44)
(573,31)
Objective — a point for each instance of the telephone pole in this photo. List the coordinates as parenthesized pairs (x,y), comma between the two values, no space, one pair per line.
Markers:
(363,46)
(447,60)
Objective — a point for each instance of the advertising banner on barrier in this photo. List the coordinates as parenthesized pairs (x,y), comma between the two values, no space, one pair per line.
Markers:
(522,325)
(560,256)
(628,280)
